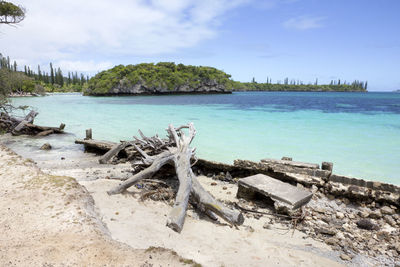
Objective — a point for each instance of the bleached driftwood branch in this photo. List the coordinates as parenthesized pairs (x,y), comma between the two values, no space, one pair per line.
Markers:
(177,152)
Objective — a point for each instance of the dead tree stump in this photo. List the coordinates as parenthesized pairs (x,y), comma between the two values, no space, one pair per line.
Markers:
(177,152)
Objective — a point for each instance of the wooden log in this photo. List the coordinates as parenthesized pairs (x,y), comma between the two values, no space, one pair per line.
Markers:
(44,133)
(113,152)
(96,144)
(28,119)
(182,156)
(31,116)
(209,202)
(43,128)
(160,161)
(19,127)
(88,134)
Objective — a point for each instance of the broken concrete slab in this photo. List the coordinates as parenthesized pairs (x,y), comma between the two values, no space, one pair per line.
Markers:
(297,164)
(274,189)
(276,170)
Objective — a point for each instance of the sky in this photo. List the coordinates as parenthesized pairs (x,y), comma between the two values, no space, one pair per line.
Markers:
(300,39)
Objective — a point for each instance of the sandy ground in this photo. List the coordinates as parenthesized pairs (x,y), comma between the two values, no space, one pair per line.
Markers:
(50,220)
(141,224)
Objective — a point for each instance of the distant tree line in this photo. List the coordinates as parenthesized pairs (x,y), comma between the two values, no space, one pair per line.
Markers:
(297,85)
(27,79)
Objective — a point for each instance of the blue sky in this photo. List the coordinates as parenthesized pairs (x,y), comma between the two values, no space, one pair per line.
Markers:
(299,39)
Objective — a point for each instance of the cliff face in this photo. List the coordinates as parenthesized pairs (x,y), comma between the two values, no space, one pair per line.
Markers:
(141,88)
(160,78)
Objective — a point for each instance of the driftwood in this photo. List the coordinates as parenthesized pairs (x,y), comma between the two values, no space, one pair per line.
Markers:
(25,126)
(113,152)
(103,146)
(174,151)
(28,119)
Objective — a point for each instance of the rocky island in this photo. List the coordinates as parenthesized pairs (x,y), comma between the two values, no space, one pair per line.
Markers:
(160,78)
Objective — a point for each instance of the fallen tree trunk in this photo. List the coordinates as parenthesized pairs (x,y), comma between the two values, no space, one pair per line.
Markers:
(25,126)
(113,152)
(28,119)
(179,154)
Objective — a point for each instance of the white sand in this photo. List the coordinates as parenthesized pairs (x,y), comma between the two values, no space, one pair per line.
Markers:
(51,221)
(142,224)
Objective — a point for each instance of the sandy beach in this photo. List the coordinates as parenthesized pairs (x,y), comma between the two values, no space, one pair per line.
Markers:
(52,221)
(49,217)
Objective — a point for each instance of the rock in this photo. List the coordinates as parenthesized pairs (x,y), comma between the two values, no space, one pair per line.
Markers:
(376,214)
(62,158)
(228,176)
(45,146)
(345,257)
(332,241)
(387,210)
(330,197)
(213,183)
(346,201)
(366,224)
(397,247)
(328,166)
(287,158)
(339,215)
(314,189)
(249,229)
(340,235)
(320,210)
(267,225)
(389,220)
(283,208)
(363,214)
(326,231)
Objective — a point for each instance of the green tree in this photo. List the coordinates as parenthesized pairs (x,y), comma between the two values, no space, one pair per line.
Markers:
(10,13)
(51,73)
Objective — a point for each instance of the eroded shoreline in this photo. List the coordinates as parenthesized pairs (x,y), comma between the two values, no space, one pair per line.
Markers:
(330,224)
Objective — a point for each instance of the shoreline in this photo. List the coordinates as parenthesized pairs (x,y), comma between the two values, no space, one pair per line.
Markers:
(138,225)
(128,227)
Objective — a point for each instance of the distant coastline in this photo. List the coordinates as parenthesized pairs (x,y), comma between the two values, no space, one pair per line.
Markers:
(166,78)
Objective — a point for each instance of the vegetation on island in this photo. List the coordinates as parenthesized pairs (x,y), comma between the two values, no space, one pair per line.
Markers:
(163,76)
(296,85)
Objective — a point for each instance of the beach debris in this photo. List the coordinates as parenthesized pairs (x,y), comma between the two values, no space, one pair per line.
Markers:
(366,224)
(175,151)
(88,134)
(45,146)
(25,126)
(292,163)
(283,194)
(328,166)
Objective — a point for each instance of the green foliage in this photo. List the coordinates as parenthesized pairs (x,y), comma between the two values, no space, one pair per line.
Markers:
(163,75)
(10,13)
(40,82)
(299,87)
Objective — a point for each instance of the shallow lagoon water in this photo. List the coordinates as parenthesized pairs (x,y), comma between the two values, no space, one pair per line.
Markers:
(358,132)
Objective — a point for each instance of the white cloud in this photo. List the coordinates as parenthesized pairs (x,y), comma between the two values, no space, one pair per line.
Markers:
(83,66)
(82,32)
(304,23)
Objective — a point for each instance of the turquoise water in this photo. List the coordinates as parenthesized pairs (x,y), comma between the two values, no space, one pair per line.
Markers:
(359,133)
